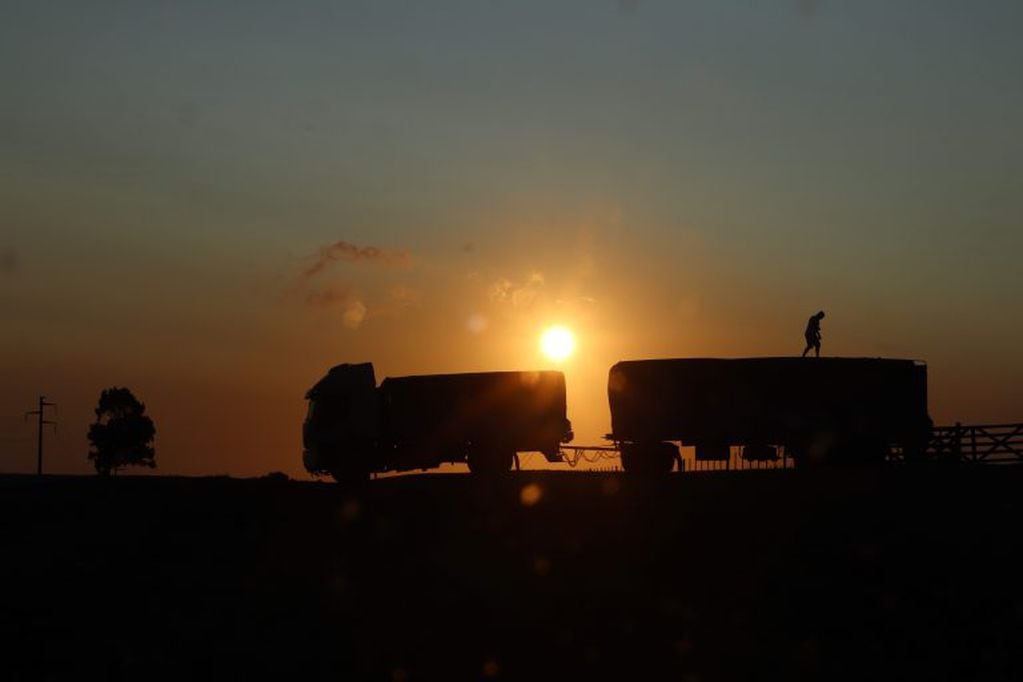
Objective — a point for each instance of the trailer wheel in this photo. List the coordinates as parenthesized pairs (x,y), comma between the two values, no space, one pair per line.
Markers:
(649,459)
(868,451)
(797,452)
(816,447)
(914,448)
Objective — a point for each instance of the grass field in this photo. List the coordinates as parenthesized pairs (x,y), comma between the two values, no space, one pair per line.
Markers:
(893,573)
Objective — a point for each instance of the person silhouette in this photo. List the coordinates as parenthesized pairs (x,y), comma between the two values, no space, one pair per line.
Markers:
(813,334)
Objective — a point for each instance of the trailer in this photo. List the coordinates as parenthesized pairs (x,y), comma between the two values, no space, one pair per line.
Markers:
(354,427)
(812,410)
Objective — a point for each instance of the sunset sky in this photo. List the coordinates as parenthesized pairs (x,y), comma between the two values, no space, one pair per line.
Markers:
(212,202)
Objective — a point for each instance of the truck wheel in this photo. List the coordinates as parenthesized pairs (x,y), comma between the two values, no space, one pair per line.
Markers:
(350,467)
(350,475)
(489,461)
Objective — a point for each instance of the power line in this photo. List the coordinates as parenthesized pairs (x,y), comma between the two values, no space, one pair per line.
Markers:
(43,404)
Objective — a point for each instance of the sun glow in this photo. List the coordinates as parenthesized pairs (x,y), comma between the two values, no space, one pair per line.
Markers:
(557,343)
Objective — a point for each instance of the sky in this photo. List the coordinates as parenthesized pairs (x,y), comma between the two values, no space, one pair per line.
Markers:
(213,202)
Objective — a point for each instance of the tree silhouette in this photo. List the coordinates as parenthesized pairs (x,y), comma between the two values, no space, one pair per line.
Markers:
(122,434)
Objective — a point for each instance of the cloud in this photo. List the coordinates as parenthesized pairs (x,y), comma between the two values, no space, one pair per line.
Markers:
(340,296)
(500,290)
(518,294)
(353,309)
(352,253)
(9,260)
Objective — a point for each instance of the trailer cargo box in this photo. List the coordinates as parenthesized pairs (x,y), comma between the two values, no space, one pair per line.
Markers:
(818,408)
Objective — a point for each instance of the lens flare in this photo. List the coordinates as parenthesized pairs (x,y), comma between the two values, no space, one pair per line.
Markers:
(557,343)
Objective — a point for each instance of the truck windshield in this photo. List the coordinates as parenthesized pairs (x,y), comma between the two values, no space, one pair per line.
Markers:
(328,409)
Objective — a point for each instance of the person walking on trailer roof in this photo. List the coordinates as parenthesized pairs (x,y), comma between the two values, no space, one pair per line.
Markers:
(813,334)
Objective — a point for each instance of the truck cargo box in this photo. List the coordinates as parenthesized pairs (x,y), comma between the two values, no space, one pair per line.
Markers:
(519,410)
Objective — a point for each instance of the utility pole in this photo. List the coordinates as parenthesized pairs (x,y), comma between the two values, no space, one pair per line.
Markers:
(43,404)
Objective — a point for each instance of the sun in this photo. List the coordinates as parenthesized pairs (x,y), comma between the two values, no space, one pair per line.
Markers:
(557,343)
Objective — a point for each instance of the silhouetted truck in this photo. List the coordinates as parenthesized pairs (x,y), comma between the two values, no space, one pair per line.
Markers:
(355,427)
(820,410)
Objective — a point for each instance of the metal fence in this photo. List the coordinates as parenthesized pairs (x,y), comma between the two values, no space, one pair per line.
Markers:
(735,462)
(980,444)
(599,457)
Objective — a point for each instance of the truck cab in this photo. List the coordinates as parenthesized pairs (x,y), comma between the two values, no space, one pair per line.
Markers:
(342,425)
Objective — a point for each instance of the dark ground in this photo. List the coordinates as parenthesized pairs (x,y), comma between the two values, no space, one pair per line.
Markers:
(894,573)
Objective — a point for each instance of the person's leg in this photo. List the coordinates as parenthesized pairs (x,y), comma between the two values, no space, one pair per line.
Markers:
(817,348)
(809,345)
